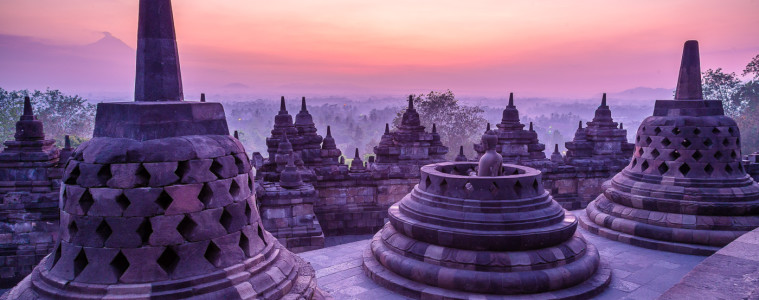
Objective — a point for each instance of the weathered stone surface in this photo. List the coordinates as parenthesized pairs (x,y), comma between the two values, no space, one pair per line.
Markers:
(30,178)
(166,243)
(458,236)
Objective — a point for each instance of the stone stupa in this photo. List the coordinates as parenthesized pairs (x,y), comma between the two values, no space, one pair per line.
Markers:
(462,236)
(160,203)
(685,189)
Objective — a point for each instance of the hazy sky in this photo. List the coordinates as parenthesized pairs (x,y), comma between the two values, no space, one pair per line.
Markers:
(538,48)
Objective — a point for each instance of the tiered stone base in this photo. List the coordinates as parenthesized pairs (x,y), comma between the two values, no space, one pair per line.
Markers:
(472,278)
(274,274)
(632,232)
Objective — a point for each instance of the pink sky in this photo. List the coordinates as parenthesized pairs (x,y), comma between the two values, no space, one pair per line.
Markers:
(535,48)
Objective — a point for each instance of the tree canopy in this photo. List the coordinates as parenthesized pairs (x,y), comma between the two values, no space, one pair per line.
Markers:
(458,125)
(61,114)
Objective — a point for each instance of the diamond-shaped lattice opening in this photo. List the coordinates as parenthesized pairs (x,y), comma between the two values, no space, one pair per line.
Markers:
(725,142)
(143,176)
(186,227)
(164,200)
(535,186)
(674,155)
(718,155)
(443,185)
(640,152)
(182,168)
(494,188)
(206,194)
(226,219)
(119,264)
(168,260)
(145,230)
(733,154)
(730,130)
(696,131)
(216,168)
(708,142)
(261,234)
(637,138)
(80,262)
(684,169)
(244,244)
(648,140)
(709,169)
(728,169)
(104,231)
(663,168)
(240,164)
(716,130)
(676,131)
(657,130)
(234,189)
(633,163)
(697,155)
(73,176)
(685,143)
(73,229)
(123,202)
(248,211)
(738,142)
(666,142)
(655,153)
(644,166)
(104,174)
(86,201)
(427,182)
(213,254)
(518,188)
(56,255)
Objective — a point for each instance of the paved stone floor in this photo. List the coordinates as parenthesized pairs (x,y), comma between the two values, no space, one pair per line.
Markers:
(638,273)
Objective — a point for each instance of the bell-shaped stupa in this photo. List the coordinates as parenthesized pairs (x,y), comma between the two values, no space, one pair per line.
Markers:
(160,203)
(685,189)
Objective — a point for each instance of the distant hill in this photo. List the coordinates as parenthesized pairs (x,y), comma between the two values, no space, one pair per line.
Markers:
(107,64)
(644,94)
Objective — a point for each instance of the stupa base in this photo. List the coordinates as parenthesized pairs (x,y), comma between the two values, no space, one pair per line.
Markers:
(618,236)
(406,287)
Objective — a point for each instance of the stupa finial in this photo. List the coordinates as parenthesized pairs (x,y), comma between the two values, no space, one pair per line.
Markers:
(28,107)
(303,104)
(603,101)
(511,99)
(158,74)
(387,128)
(689,81)
(282,107)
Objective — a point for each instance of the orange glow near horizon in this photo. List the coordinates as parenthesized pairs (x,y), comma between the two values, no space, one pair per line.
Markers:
(541,48)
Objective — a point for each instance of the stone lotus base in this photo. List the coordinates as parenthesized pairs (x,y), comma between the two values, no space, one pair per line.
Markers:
(518,280)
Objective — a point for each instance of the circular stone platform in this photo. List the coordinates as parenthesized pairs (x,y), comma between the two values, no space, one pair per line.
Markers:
(457,236)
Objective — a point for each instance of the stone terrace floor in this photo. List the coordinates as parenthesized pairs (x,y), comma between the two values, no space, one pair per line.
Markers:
(638,273)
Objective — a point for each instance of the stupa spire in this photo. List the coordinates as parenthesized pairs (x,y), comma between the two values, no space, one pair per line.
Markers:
(689,81)
(158,74)
(603,101)
(531,128)
(387,128)
(329,131)
(282,107)
(28,107)
(511,99)
(410,102)
(303,105)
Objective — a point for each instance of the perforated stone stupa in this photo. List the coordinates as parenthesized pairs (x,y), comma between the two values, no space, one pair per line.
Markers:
(457,236)
(159,204)
(516,144)
(30,177)
(685,189)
